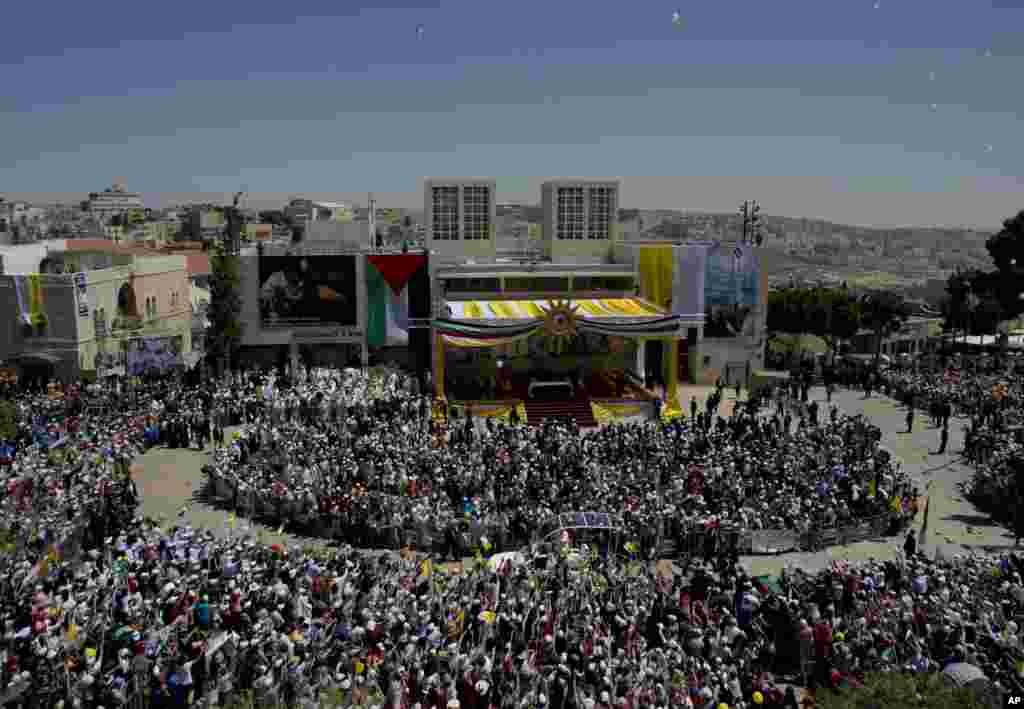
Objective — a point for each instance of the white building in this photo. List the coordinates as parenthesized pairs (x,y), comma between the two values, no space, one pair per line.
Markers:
(114,200)
(580,219)
(459,215)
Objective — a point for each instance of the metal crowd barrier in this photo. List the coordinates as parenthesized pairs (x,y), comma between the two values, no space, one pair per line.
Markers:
(687,542)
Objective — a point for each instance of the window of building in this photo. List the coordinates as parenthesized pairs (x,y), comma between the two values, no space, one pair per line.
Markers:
(600,217)
(602,283)
(477,210)
(445,217)
(570,213)
(472,285)
(546,284)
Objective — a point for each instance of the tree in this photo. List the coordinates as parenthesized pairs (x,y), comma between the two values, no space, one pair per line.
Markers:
(884,314)
(898,690)
(225,329)
(1007,251)
(843,317)
(954,306)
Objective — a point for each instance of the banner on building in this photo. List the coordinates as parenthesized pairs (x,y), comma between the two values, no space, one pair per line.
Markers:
(731,275)
(82,295)
(153,354)
(307,290)
(389,279)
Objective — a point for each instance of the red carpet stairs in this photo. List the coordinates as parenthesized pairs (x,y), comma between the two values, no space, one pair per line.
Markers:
(579,409)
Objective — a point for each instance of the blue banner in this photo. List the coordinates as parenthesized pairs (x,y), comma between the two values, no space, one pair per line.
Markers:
(731,275)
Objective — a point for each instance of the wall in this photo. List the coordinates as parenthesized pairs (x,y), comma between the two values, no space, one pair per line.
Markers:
(343,235)
(158,277)
(25,258)
(61,335)
(253,335)
(577,250)
(459,249)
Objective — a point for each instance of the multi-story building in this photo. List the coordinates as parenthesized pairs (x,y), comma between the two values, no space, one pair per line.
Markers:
(460,217)
(206,223)
(580,219)
(115,201)
(304,211)
(93,315)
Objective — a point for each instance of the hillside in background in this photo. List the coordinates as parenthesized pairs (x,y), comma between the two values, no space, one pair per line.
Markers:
(913,260)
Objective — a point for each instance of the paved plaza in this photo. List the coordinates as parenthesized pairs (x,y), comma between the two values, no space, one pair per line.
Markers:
(171,482)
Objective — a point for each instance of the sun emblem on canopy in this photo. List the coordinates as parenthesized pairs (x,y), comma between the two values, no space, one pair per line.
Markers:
(559,322)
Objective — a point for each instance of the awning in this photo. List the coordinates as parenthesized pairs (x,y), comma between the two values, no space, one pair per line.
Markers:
(489,323)
(597,308)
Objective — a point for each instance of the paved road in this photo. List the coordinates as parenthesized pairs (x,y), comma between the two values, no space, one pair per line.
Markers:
(954,525)
(170,482)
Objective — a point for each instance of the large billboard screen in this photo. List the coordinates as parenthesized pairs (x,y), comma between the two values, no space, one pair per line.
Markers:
(307,290)
(731,276)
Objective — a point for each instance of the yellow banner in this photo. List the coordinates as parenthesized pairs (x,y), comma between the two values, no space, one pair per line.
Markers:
(607,412)
(671,375)
(592,308)
(439,361)
(473,310)
(657,268)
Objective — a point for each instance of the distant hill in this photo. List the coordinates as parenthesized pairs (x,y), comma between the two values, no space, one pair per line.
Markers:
(816,250)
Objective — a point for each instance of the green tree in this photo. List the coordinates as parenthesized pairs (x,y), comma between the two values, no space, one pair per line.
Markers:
(955,304)
(884,314)
(1007,251)
(8,420)
(225,330)
(843,317)
(896,690)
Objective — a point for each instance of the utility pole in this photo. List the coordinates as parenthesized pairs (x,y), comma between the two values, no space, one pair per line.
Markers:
(373,221)
(750,211)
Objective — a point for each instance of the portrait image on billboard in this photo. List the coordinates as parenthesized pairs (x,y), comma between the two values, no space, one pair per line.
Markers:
(307,290)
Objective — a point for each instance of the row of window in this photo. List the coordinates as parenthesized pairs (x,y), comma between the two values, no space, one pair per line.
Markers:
(546,284)
(474,213)
(575,222)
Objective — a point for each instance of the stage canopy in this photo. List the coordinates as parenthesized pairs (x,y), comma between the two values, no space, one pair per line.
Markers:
(598,308)
(489,323)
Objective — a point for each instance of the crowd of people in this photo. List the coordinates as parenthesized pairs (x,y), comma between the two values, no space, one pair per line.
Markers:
(368,463)
(102,608)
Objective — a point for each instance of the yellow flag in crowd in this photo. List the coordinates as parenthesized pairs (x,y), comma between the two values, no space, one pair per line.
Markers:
(896,504)
(231,520)
(426,568)
(872,489)
(360,667)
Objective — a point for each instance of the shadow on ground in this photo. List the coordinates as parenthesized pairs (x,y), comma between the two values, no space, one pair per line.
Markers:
(979,520)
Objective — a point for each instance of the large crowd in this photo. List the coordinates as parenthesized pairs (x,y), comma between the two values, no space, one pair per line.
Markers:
(367,460)
(102,608)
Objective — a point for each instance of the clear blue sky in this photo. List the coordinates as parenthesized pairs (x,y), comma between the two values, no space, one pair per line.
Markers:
(816,108)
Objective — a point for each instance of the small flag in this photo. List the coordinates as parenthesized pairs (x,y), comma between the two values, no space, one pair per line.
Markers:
(360,667)
(426,568)
(231,520)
